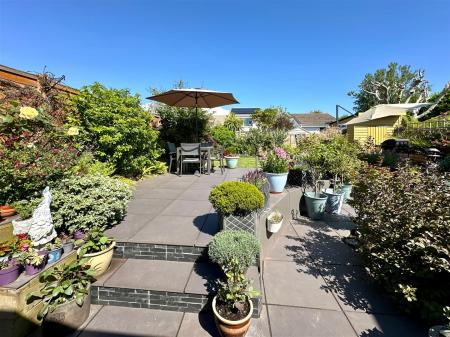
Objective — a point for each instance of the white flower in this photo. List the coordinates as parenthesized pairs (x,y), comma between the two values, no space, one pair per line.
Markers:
(27,112)
(73,131)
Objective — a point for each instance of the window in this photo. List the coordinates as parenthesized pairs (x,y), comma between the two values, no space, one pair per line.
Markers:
(248,121)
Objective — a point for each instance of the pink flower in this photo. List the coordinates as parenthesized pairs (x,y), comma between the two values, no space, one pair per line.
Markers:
(280,153)
(24,247)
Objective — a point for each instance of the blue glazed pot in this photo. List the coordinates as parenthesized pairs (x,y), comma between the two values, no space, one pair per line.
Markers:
(232,162)
(277,181)
(347,189)
(315,205)
(334,202)
(54,255)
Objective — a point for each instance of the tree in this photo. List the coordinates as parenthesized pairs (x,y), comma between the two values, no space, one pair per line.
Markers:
(232,122)
(395,84)
(265,118)
(441,103)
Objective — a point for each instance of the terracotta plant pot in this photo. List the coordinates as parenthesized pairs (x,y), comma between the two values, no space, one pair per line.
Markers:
(6,211)
(229,328)
(100,261)
(9,275)
(66,318)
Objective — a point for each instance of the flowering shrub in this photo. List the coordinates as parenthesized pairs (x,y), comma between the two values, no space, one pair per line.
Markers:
(29,161)
(403,220)
(276,161)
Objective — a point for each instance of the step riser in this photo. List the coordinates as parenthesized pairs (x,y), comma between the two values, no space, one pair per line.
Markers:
(149,251)
(160,300)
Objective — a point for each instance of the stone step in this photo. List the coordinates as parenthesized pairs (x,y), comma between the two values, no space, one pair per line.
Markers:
(164,285)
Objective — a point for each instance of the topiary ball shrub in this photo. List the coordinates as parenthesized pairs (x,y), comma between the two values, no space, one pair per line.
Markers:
(236,197)
(229,245)
(84,202)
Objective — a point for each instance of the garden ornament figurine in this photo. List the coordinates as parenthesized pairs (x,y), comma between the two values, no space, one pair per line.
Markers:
(40,226)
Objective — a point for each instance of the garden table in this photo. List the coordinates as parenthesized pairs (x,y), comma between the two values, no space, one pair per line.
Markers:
(205,150)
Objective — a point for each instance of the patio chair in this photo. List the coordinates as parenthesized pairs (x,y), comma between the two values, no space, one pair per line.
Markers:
(217,154)
(172,154)
(190,153)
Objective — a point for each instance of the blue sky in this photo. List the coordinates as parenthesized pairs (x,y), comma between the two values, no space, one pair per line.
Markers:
(302,55)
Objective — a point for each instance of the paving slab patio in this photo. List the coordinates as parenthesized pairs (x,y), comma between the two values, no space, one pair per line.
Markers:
(313,284)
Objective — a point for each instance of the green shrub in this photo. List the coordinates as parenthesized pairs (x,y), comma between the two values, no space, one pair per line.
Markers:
(113,123)
(88,201)
(403,220)
(231,245)
(86,164)
(391,160)
(223,135)
(235,197)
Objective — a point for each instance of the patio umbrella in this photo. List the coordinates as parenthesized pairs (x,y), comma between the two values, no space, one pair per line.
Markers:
(198,98)
(385,110)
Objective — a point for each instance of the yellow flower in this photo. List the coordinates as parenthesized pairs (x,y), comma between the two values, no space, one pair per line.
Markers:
(73,131)
(27,112)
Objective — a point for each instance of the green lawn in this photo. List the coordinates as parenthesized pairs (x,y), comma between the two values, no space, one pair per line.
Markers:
(243,162)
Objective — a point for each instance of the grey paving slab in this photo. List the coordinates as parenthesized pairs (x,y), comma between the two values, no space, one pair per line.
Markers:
(129,226)
(288,283)
(287,246)
(177,185)
(121,322)
(147,206)
(306,322)
(170,229)
(355,291)
(367,325)
(157,193)
(324,245)
(209,229)
(203,277)
(113,267)
(151,275)
(198,325)
(195,194)
(188,208)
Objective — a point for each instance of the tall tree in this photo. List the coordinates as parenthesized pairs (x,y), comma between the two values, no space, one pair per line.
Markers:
(394,84)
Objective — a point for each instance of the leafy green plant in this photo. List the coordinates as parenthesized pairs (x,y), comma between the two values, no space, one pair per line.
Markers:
(235,197)
(81,203)
(235,252)
(63,284)
(55,244)
(232,122)
(403,219)
(391,160)
(230,151)
(31,257)
(113,123)
(25,208)
(95,242)
(86,164)
(275,217)
(5,265)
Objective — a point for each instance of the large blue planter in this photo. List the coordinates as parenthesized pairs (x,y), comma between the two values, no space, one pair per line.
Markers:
(277,181)
(315,205)
(231,162)
(347,189)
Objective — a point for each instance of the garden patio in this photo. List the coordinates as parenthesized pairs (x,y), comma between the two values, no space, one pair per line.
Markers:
(312,283)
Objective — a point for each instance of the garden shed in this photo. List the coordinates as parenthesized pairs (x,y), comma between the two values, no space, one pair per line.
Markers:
(379,122)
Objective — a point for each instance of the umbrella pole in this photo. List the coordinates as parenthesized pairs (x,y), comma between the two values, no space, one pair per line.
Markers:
(196,117)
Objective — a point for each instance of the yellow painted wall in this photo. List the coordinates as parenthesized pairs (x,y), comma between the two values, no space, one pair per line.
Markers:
(379,129)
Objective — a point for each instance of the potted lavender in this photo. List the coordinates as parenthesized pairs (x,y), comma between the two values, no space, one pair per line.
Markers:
(257,178)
